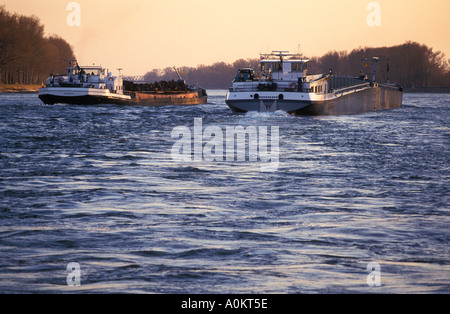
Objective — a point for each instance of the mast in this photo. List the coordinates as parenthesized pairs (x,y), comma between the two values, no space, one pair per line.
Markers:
(374,70)
(178,74)
(375,59)
(180,79)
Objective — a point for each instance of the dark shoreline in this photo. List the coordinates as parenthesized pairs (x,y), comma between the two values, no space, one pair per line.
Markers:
(27,89)
(19,92)
(18,88)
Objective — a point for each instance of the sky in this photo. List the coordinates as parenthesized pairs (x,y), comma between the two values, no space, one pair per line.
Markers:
(141,35)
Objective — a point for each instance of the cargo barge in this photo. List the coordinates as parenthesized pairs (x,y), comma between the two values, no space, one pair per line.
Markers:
(91,85)
(283,83)
(164,93)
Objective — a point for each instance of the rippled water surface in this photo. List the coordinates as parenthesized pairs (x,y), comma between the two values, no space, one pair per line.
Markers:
(97,185)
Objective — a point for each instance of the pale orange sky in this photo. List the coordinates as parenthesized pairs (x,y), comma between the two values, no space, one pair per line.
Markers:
(141,35)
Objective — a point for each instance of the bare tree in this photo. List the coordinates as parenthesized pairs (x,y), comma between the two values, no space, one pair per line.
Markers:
(410,64)
(26,55)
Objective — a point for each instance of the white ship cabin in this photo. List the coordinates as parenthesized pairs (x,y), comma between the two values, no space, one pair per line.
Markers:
(87,77)
(280,71)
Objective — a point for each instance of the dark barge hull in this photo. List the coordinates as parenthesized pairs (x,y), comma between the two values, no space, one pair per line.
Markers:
(137,99)
(373,98)
(80,100)
(377,97)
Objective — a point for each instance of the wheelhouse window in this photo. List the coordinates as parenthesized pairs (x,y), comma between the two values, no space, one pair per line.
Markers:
(266,66)
(298,66)
(270,66)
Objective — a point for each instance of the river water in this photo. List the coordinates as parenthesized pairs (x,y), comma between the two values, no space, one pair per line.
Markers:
(98,186)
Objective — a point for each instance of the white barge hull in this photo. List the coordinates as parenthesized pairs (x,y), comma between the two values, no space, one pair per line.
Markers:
(81,96)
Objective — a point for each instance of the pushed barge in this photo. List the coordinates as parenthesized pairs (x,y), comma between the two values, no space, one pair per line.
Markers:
(284,84)
(90,85)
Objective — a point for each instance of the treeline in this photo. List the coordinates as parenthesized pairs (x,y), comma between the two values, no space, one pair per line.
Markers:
(215,76)
(26,55)
(411,64)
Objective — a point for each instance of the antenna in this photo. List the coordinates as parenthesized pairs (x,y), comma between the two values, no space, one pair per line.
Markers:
(375,60)
(71,61)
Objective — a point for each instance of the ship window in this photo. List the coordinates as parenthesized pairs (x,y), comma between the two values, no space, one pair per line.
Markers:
(266,66)
(298,66)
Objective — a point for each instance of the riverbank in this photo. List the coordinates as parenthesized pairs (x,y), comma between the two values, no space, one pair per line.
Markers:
(19,88)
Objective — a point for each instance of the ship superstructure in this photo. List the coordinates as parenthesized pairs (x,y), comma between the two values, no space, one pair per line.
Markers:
(283,83)
(87,85)
(83,85)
